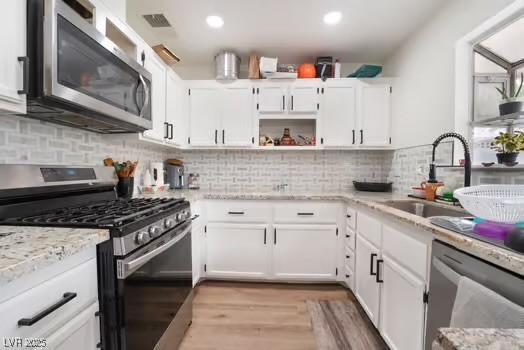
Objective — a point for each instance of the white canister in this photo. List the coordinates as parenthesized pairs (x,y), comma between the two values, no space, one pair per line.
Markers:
(157,173)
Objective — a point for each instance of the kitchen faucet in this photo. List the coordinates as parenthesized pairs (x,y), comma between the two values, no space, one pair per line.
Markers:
(467,158)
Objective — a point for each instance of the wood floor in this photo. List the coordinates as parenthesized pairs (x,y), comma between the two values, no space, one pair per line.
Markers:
(252,316)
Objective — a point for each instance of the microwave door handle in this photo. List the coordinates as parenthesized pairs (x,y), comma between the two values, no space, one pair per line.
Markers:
(126,268)
(147,97)
(140,82)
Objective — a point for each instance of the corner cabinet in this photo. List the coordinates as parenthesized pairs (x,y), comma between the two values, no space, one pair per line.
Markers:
(304,252)
(13,39)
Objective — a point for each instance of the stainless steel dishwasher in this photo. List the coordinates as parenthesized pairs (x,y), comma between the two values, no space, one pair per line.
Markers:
(447,266)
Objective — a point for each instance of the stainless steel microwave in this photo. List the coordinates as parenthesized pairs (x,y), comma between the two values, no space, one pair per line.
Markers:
(76,76)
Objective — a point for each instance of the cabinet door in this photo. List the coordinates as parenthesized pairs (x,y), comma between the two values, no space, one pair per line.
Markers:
(271,99)
(339,115)
(237,116)
(375,115)
(236,250)
(13,39)
(366,287)
(305,252)
(304,99)
(176,111)
(401,299)
(80,333)
(158,96)
(204,114)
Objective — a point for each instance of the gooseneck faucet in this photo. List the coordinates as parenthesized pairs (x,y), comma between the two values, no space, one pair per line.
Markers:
(467,158)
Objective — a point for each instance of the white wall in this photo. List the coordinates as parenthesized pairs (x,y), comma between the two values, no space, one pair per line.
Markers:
(423,97)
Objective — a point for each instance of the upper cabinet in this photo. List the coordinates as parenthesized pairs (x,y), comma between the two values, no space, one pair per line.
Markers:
(158,95)
(13,62)
(204,114)
(375,115)
(299,97)
(339,113)
(237,115)
(271,98)
(177,122)
(303,98)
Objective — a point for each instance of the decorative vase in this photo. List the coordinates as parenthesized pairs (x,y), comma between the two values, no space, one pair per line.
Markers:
(503,158)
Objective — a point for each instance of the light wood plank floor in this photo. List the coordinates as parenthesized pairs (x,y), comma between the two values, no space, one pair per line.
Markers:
(252,316)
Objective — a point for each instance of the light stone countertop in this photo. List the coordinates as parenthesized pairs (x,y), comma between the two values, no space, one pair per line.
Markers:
(505,258)
(479,339)
(24,249)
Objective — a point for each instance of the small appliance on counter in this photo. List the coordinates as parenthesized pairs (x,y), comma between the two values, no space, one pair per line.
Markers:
(175,174)
(193,181)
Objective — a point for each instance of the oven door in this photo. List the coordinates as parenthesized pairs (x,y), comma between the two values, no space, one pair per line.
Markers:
(155,292)
(83,67)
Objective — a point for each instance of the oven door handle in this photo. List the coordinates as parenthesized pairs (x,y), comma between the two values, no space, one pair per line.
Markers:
(125,268)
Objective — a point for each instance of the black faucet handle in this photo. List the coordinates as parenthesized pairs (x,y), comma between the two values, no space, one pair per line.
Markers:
(432,173)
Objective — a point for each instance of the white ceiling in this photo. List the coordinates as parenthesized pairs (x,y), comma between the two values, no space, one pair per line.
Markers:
(293,30)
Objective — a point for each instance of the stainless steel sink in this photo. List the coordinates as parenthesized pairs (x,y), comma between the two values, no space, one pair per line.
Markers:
(425,210)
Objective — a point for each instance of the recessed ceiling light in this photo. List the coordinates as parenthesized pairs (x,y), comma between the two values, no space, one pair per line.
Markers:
(332,17)
(215,21)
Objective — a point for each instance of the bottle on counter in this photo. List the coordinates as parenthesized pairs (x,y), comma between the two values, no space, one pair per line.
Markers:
(193,181)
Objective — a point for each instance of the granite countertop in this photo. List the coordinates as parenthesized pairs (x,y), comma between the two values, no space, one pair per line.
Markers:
(479,339)
(25,249)
(505,258)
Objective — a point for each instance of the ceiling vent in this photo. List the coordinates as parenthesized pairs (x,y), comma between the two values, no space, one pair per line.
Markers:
(157,20)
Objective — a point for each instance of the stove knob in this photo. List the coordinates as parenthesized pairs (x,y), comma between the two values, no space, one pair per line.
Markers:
(142,238)
(154,231)
(179,217)
(168,223)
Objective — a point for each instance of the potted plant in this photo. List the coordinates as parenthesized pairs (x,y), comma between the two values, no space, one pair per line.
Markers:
(508,146)
(511,104)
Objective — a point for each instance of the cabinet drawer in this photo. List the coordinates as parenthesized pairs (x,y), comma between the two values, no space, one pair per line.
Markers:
(81,280)
(306,212)
(238,211)
(351,218)
(350,238)
(349,258)
(369,228)
(409,252)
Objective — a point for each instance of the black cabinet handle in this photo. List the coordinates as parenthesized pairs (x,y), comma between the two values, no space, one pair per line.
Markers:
(353,136)
(265,235)
(361,136)
(25,77)
(216,137)
(372,256)
(348,216)
(347,276)
(67,297)
(171,134)
(283,103)
(166,128)
(292,102)
(235,212)
(305,214)
(275,237)
(348,256)
(379,280)
(347,236)
(223,136)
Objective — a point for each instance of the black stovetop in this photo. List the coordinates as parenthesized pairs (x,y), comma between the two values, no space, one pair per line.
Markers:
(102,214)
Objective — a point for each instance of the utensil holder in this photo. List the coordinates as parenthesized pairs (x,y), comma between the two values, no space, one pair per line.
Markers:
(125,186)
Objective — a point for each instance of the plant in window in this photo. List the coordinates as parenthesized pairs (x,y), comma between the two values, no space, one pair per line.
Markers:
(511,103)
(508,146)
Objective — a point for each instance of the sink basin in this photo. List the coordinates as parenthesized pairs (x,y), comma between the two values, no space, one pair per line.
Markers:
(425,210)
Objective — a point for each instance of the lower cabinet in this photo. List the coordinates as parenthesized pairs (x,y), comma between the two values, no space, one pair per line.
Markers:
(401,299)
(80,333)
(236,250)
(304,252)
(367,290)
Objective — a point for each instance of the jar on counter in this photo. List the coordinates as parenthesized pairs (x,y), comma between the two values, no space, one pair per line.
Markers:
(193,181)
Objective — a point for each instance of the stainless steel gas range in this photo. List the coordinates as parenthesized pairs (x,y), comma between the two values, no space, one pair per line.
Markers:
(144,270)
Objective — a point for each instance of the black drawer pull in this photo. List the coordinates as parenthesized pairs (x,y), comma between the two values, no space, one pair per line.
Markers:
(373,255)
(347,276)
(67,297)
(348,216)
(25,78)
(348,236)
(235,212)
(379,279)
(348,256)
(305,214)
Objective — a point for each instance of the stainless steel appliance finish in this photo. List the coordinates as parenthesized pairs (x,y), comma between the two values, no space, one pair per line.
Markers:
(425,210)
(447,265)
(227,65)
(175,176)
(80,78)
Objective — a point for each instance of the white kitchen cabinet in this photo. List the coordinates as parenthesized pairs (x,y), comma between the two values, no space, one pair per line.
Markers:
(237,116)
(339,113)
(204,116)
(236,250)
(367,290)
(304,252)
(375,115)
(303,99)
(156,67)
(402,307)
(176,110)
(80,333)
(13,38)
(272,98)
